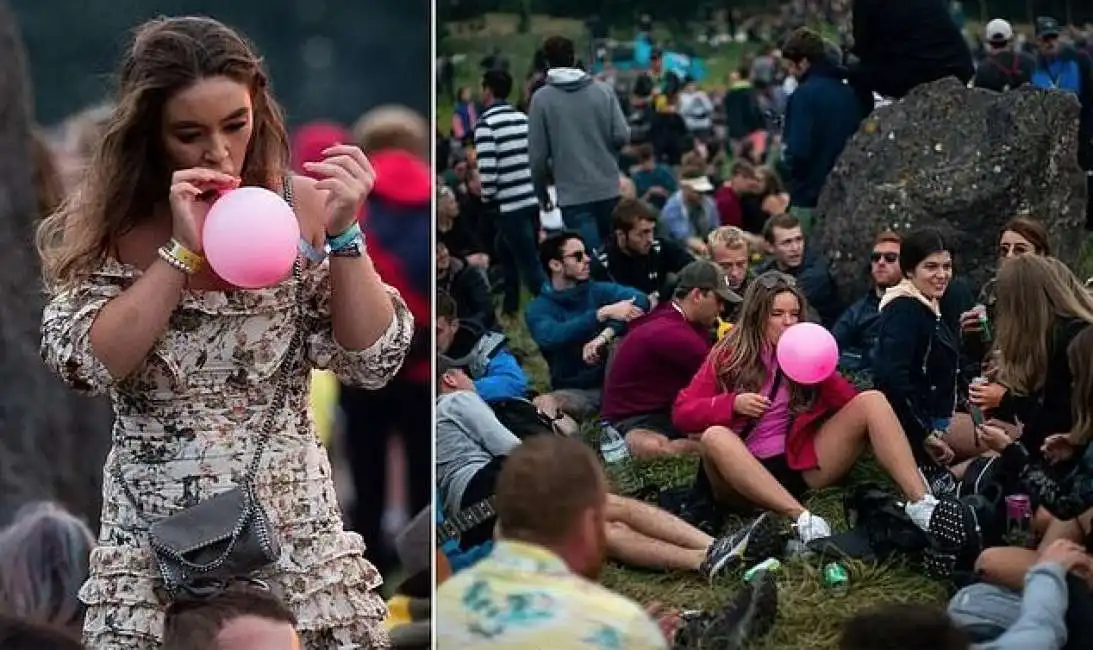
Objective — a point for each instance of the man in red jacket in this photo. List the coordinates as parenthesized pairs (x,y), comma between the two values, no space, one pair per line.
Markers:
(669,345)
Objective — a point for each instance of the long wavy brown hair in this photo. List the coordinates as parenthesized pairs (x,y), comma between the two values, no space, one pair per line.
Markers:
(1034,293)
(1079,354)
(738,357)
(129,174)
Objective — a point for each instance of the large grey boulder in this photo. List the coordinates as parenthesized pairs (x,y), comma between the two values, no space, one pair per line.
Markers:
(965,160)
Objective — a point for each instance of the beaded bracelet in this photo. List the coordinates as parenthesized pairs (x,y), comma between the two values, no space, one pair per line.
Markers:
(180,257)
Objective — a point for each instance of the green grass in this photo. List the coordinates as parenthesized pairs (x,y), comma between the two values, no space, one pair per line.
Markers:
(475,41)
(808,616)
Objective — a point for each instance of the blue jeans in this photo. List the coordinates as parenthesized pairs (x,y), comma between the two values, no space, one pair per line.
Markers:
(592,220)
(518,252)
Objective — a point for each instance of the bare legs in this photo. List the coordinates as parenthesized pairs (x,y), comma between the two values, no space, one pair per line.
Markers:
(736,474)
(868,418)
(1006,566)
(646,443)
(644,536)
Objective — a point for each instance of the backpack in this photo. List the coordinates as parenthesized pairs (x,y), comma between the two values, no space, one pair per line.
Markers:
(1010,74)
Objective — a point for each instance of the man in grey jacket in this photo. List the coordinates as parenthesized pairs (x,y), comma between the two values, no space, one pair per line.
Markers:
(576,129)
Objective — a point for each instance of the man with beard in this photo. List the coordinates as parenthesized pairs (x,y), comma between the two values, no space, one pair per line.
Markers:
(635,257)
(856,329)
(573,320)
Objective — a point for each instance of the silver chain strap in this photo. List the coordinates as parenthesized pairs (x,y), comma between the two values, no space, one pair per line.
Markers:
(265,433)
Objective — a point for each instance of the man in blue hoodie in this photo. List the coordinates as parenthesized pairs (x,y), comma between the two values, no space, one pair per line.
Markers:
(576,129)
(573,321)
(1063,67)
(821,116)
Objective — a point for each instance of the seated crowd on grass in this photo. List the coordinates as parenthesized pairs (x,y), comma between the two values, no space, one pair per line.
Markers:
(658,309)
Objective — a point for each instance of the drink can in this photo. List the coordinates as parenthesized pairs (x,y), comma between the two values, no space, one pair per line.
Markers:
(984,323)
(836,577)
(1018,507)
(770,564)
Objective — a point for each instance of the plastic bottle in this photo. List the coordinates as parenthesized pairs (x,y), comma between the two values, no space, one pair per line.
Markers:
(617,461)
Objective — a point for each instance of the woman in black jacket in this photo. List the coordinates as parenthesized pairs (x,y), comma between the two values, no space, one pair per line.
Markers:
(916,362)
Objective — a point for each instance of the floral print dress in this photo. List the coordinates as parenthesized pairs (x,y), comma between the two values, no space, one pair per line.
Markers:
(185,427)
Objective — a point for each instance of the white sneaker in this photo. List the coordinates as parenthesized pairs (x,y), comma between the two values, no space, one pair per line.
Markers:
(810,527)
(921,511)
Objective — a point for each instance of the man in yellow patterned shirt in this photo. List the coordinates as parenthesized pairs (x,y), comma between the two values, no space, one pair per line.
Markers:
(537,589)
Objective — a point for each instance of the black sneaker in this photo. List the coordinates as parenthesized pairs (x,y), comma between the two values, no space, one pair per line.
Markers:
(939,480)
(747,618)
(763,537)
(955,539)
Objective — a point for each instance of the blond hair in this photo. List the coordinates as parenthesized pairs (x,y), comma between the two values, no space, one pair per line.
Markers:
(729,237)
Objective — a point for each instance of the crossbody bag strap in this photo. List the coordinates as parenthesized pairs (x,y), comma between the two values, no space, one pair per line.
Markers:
(774,386)
(283,385)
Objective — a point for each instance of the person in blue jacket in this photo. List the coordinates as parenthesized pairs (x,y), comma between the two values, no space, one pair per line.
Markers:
(496,373)
(573,320)
(822,114)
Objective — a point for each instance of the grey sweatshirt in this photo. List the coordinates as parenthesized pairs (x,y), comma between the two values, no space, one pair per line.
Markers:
(1041,623)
(575,131)
(468,437)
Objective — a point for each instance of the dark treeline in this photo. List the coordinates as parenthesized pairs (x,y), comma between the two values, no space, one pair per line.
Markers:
(328,59)
(624,12)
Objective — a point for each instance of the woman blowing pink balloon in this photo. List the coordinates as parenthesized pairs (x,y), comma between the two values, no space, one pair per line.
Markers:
(215,474)
(768,439)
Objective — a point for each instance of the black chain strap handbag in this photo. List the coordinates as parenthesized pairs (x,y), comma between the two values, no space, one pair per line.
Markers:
(226,538)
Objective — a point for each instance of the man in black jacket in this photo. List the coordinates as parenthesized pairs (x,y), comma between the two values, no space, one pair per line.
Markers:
(900,45)
(634,258)
(1003,68)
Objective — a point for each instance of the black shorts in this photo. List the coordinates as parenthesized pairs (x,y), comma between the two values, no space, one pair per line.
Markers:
(659,422)
(792,480)
(481,487)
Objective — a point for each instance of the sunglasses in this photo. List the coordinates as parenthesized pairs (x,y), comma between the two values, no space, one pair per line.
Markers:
(577,256)
(891,258)
(775,279)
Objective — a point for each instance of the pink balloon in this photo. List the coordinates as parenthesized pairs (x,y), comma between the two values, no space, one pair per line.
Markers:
(251,237)
(807,353)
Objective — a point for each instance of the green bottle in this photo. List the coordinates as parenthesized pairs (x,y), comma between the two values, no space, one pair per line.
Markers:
(836,578)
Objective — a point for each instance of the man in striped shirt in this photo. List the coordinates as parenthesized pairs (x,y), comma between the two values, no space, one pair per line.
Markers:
(501,146)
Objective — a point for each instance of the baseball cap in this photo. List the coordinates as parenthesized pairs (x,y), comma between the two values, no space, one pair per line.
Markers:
(698,182)
(705,275)
(999,31)
(1047,26)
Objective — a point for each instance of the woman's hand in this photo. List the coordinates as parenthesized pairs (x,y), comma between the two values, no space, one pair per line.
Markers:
(192,194)
(750,405)
(347,177)
(996,438)
(939,450)
(1057,448)
(986,396)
